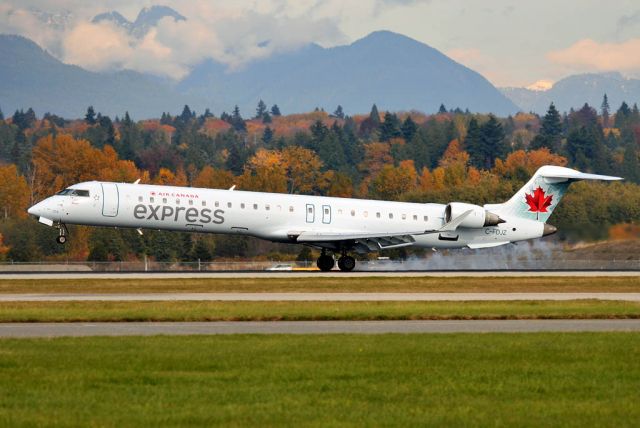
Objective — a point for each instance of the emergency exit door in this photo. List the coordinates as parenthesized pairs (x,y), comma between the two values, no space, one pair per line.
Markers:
(110,199)
(311,213)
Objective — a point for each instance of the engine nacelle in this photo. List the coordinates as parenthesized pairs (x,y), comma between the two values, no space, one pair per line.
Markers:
(479,217)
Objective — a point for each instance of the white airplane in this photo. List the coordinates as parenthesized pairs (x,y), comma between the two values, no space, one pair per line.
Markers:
(337,225)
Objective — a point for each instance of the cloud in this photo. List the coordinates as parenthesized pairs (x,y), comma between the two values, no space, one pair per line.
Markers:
(478,61)
(628,21)
(589,55)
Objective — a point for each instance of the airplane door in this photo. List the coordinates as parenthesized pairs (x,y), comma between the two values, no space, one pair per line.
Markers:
(326,214)
(110,199)
(311,215)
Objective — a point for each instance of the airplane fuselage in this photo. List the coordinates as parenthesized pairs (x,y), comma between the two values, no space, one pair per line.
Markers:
(274,217)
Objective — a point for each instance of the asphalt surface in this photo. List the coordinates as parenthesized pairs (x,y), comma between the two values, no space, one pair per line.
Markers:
(316,297)
(24,330)
(311,274)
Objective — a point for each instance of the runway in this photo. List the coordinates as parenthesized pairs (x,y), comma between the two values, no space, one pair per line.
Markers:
(25,330)
(316,297)
(316,274)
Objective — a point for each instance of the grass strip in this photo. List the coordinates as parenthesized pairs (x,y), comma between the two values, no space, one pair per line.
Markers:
(328,284)
(308,311)
(524,380)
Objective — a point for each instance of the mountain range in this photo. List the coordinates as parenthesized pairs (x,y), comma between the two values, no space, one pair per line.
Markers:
(391,70)
(574,91)
(388,69)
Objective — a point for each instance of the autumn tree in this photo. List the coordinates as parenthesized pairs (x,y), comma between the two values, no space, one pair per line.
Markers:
(303,169)
(392,181)
(265,171)
(14,192)
(213,178)
(521,165)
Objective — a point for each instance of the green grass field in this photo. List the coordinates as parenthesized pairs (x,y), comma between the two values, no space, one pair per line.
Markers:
(297,311)
(325,284)
(530,380)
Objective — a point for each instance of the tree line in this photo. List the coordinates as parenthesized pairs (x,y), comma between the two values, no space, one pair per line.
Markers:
(450,156)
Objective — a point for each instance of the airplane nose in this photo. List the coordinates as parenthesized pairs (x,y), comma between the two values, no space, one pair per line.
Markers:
(36,210)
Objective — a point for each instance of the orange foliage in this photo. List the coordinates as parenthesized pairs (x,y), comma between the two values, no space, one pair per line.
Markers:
(392,181)
(527,162)
(265,172)
(624,231)
(302,169)
(166,177)
(291,124)
(338,184)
(61,161)
(454,161)
(212,126)
(14,193)
(214,178)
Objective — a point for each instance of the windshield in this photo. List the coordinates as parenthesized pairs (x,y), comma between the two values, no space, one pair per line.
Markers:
(73,192)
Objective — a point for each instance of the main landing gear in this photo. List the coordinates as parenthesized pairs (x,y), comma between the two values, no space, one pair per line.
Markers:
(326,262)
(62,234)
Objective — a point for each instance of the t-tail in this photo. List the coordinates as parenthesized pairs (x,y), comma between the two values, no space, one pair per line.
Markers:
(537,199)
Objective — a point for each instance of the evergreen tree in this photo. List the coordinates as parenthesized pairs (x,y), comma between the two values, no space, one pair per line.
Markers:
(186,114)
(237,121)
(90,117)
(207,113)
(1,115)
(275,110)
(339,113)
(374,116)
(486,143)
(605,111)
(261,110)
(267,136)
(409,129)
(266,118)
(442,109)
(390,128)
(473,143)
(622,115)
(550,135)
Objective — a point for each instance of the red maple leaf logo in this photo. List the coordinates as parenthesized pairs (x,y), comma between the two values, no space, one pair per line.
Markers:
(538,201)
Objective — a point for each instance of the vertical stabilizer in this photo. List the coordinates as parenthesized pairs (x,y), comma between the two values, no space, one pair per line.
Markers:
(537,199)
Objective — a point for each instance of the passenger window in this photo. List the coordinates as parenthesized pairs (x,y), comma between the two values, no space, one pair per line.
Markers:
(353,213)
(204,203)
(366,214)
(267,207)
(404,216)
(378,215)
(242,205)
(390,215)
(426,218)
(228,204)
(217,204)
(151,199)
(415,217)
(164,200)
(255,206)
(290,209)
(190,201)
(139,198)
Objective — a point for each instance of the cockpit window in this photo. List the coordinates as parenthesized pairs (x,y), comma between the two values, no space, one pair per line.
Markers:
(74,192)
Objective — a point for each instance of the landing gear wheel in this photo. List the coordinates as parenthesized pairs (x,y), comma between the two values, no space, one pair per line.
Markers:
(62,233)
(346,263)
(325,263)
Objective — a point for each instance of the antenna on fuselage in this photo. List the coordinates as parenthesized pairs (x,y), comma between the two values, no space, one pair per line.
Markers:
(232,188)
(137,181)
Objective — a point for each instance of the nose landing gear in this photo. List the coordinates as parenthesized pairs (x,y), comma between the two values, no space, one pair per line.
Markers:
(62,234)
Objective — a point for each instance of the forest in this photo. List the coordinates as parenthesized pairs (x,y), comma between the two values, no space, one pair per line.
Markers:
(453,155)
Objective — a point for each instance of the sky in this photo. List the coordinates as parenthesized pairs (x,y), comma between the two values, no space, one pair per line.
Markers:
(512,43)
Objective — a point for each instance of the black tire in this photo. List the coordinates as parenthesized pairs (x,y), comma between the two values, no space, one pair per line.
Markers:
(346,263)
(325,263)
(61,239)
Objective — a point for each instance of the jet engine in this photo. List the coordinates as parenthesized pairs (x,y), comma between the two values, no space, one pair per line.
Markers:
(477,218)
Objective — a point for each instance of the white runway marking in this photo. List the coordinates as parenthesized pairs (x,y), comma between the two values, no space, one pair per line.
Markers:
(311,274)
(317,297)
(24,330)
